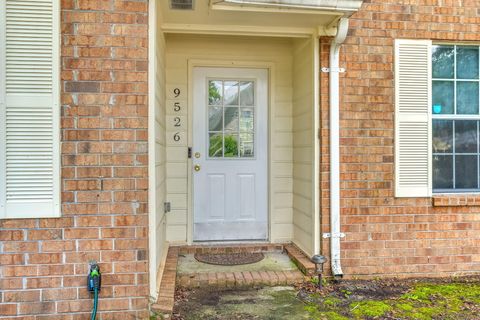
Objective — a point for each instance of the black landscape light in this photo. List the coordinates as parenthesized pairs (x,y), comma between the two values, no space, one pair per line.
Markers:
(319,260)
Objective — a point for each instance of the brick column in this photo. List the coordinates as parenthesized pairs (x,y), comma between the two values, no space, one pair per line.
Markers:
(104,176)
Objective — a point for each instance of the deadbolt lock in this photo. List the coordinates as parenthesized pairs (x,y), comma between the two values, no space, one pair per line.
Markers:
(196,167)
(197,155)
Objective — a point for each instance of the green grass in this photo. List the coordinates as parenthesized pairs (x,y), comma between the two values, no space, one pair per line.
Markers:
(369,308)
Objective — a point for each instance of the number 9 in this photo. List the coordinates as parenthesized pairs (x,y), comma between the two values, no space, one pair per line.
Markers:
(176,92)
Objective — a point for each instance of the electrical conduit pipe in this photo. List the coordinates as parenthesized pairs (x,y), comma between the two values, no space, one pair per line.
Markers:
(334,111)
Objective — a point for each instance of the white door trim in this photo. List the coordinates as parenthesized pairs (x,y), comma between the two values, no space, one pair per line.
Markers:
(270,67)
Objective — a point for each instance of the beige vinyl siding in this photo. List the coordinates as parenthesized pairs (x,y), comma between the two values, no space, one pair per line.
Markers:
(303,152)
(159,158)
(182,48)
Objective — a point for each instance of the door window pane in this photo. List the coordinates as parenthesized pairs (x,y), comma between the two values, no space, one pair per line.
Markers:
(231,119)
(467,62)
(246,93)
(215,145)
(466,175)
(467,97)
(215,118)
(215,89)
(231,93)
(442,62)
(443,96)
(246,119)
(246,145)
(230,145)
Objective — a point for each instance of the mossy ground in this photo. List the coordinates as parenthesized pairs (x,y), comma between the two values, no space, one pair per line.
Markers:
(455,299)
(415,299)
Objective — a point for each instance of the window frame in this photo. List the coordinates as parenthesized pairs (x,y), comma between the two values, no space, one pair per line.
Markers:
(254,107)
(455,117)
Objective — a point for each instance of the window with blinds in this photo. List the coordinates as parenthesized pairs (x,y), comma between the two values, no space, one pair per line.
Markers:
(29,109)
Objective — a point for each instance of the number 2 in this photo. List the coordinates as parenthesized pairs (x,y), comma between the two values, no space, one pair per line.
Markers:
(177,121)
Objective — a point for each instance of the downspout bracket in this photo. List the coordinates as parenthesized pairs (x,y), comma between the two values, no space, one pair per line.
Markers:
(339,70)
(335,235)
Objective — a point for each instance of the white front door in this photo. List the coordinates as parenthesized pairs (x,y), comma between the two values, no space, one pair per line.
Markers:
(230,152)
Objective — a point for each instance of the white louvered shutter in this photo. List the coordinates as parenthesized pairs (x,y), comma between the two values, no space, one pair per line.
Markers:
(29,109)
(413,176)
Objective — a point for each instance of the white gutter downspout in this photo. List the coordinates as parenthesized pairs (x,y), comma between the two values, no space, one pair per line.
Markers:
(334,94)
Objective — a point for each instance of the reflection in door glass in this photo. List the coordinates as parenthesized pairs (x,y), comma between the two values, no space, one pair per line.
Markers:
(215,90)
(246,145)
(246,120)
(215,118)
(231,119)
(246,93)
(230,145)
(215,145)
(231,93)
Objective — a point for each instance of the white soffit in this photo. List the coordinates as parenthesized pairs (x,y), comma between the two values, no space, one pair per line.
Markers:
(295,18)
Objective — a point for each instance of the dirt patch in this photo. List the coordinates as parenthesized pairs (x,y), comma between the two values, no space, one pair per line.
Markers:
(271,303)
(359,289)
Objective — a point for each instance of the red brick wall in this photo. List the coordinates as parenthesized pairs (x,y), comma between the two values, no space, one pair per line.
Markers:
(385,235)
(104,168)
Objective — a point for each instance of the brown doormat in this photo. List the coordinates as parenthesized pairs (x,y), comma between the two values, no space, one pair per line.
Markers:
(229,259)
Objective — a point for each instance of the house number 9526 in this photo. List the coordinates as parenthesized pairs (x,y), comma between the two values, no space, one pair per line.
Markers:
(176,108)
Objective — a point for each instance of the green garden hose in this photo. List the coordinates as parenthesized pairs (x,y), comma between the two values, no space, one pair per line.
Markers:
(95,304)
(94,284)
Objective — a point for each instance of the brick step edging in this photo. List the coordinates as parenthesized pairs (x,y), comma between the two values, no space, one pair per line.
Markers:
(301,260)
(240,279)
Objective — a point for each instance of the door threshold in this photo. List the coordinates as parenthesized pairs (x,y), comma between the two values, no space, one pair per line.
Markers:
(231,247)
(230,242)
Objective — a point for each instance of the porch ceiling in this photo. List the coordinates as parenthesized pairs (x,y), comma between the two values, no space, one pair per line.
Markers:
(295,18)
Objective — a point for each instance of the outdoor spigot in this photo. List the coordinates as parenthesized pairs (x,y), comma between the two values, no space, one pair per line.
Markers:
(94,277)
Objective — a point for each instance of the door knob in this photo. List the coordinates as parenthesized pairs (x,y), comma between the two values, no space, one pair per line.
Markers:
(196,167)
